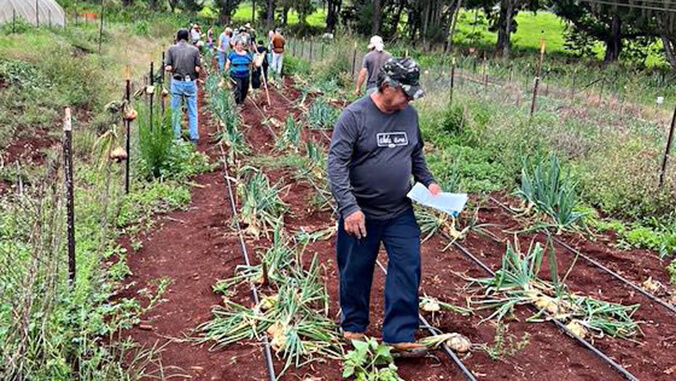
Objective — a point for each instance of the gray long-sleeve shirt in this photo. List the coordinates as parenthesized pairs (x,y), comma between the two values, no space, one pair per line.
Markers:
(372,157)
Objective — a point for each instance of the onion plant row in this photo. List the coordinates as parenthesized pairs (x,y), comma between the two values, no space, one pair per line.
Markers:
(518,283)
(552,192)
(294,314)
(222,106)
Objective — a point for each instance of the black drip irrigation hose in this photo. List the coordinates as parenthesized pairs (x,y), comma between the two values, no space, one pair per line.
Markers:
(557,322)
(268,354)
(617,276)
(449,352)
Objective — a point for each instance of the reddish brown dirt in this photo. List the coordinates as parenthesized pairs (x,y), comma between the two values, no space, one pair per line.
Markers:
(636,265)
(658,328)
(197,246)
(443,283)
(193,248)
(28,150)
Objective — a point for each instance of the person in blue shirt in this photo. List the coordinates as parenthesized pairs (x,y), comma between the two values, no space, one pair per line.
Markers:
(239,66)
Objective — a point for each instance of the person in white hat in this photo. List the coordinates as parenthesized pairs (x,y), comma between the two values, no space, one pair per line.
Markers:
(373,61)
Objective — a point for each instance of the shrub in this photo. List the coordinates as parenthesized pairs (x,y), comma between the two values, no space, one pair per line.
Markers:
(155,140)
(454,119)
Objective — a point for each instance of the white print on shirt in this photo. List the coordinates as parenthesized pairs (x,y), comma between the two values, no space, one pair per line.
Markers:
(392,139)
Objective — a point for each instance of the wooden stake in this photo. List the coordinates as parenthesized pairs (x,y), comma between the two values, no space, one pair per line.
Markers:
(537,78)
(354,61)
(452,81)
(70,208)
(302,48)
(670,141)
(310,51)
(101,27)
(37,14)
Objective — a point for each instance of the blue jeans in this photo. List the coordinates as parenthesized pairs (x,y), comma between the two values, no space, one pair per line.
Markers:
(221,60)
(356,262)
(187,90)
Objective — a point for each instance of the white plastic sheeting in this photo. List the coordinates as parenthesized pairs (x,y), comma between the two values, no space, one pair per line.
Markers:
(36,12)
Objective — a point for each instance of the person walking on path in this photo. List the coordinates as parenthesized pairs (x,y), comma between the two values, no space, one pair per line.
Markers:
(183,62)
(373,61)
(262,58)
(239,66)
(375,149)
(223,47)
(277,42)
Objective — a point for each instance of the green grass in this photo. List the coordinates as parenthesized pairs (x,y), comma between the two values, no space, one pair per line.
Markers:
(243,15)
(531,27)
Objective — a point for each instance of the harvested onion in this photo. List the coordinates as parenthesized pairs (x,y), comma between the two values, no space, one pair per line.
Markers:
(118,154)
(459,343)
(578,329)
(430,305)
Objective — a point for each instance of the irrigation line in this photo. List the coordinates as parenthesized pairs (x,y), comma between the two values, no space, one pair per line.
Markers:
(617,276)
(556,322)
(268,354)
(272,132)
(449,352)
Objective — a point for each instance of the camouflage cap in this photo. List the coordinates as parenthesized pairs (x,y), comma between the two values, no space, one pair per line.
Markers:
(404,72)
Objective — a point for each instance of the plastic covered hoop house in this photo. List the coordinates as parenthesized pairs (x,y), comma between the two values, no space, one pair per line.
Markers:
(36,12)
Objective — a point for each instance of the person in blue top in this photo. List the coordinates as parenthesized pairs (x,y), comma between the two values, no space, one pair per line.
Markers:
(239,66)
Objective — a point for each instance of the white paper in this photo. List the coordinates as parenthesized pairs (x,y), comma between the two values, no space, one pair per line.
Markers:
(451,203)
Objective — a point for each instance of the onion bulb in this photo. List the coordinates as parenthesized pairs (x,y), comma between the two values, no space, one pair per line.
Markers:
(459,343)
(578,329)
(118,154)
(430,305)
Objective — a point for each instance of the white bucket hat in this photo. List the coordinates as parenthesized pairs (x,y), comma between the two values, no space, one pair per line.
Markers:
(376,43)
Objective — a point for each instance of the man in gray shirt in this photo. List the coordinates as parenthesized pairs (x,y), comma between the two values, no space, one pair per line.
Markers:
(183,62)
(373,61)
(375,150)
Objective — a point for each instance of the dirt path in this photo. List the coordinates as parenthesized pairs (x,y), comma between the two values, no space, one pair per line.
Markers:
(193,248)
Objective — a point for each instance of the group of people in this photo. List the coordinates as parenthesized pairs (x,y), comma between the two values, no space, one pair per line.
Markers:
(376,150)
(243,61)
(247,60)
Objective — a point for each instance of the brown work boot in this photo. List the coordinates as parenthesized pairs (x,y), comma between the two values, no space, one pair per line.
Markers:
(349,336)
(407,349)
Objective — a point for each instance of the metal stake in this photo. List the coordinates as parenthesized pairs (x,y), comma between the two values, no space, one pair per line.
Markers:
(70,209)
(670,140)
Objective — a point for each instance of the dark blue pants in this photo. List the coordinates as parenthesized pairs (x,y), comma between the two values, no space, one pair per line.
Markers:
(356,262)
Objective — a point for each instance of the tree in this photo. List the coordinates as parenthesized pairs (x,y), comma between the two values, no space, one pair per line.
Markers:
(304,9)
(226,8)
(377,16)
(270,14)
(610,24)
(332,12)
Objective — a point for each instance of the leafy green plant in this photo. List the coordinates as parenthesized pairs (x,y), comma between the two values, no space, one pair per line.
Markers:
(370,361)
(321,115)
(262,208)
(552,191)
(454,119)
(671,269)
(155,140)
(505,344)
(291,137)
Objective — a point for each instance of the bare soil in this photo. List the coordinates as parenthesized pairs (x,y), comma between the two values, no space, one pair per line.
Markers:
(198,246)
